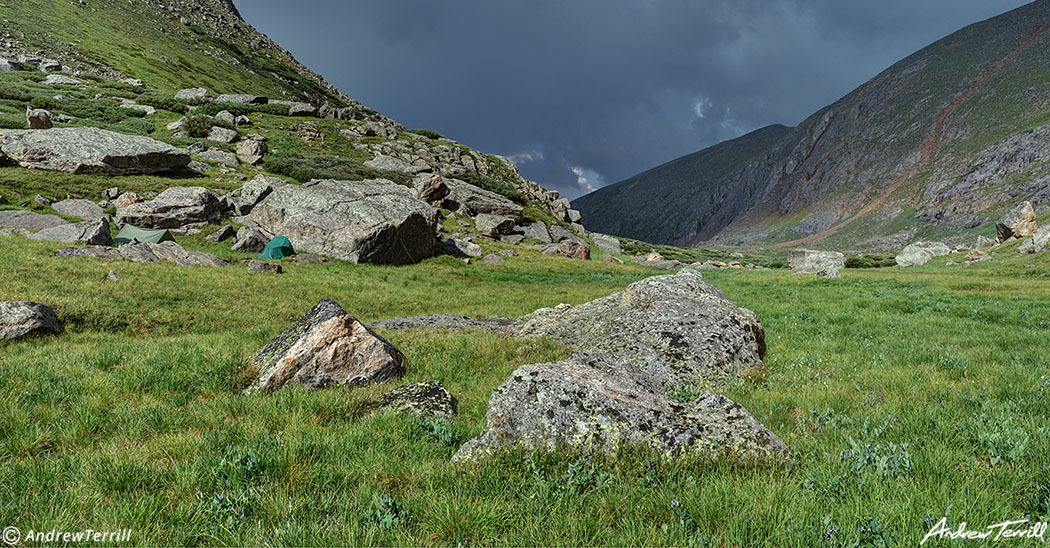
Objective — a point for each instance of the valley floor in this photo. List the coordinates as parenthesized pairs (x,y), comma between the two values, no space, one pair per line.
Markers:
(905,395)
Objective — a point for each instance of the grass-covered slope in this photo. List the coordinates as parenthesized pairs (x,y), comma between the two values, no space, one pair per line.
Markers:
(933,147)
(167,44)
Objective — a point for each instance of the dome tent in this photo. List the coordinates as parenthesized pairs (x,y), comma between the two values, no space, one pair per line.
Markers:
(278,248)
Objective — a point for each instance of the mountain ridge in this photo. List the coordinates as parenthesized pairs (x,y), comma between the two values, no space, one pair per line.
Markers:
(828,170)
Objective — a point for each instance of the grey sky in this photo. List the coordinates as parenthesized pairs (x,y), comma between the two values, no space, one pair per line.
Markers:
(584,93)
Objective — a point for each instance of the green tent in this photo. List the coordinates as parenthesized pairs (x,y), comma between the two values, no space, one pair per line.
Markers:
(130,232)
(278,248)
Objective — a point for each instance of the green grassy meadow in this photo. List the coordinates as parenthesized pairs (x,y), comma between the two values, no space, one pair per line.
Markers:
(905,395)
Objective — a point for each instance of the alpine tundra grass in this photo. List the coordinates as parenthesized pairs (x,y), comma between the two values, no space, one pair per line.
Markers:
(905,395)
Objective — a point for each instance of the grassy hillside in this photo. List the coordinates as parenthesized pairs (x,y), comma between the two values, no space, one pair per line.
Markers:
(937,145)
(145,40)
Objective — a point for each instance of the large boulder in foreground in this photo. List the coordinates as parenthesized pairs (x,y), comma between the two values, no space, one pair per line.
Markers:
(326,347)
(599,403)
(177,207)
(88,150)
(678,319)
(371,221)
(811,261)
(920,253)
(20,319)
(1017,223)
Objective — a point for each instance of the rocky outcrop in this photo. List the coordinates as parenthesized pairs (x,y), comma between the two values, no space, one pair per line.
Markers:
(1019,222)
(20,319)
(809,261)
(1037,243)
(599,403)
(493,226)
(255,191)
(606,243)
(85,209)
(678,319)
(423,400)
(537,231)
(371,221)
(326,347)
(94,232)
(496,324)
(920,253)
(139,252)
(177,207)
(470,201)
(88,150)
(19,218)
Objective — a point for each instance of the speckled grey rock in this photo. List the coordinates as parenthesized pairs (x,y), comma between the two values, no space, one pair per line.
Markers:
(606,243)
(920,253)
(88,150)
(19,319)
(20,218)
(94,232)
(537,231)
(462,247)
(810,261)
(254,191)
(263,267)
(371,221)
(423,400)
(326,347)
(493,225)
(139,252)
(220,157)
(250,240)
(469,201)
(85,209)
(600,403)
(194,96)
(242,98)
(176,207)
(1037,243)
(222,135)
(677,318)
(491,258)
(221,235)
(496,324)
(1017,223)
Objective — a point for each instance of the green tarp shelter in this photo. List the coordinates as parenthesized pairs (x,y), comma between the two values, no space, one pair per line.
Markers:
(144,235)
(278,248)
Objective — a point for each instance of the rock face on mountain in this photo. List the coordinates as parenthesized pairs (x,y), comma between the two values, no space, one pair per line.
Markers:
(678,319)
(371,221)
(326,347)
(19,319)
(599,403)
(919,148)
(920,253)
(88,150)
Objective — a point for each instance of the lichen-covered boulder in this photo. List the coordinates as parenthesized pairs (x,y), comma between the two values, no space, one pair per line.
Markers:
(326,347)
(920,253)
(19,319)
(594,402)
(85,209)
(1019,222)
(678,318)
(423,400)
(20,218)
(88,150)
(470,201)
(94,232)
(371,221)
(176,207)
(811,261)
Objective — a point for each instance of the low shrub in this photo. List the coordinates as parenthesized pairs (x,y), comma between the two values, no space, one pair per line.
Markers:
(198,126)
(98,110)
(870,261)
(305,168)
(161,101)
(15,92)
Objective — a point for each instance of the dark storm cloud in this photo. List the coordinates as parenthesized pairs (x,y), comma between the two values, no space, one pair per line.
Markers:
(588,92)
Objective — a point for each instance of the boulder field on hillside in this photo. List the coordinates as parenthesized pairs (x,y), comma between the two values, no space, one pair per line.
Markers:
(88,150)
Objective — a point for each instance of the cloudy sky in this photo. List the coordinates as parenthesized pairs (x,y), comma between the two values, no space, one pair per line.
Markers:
(584,93)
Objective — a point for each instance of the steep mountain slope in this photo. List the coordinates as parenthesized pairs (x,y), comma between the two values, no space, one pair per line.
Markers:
(935,146)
